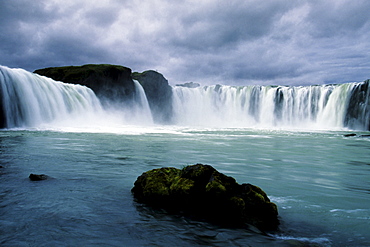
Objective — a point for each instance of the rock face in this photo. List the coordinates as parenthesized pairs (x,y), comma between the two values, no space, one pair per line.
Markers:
(158,93)
(358,109)
(111,83)
(202,191)
(2,115)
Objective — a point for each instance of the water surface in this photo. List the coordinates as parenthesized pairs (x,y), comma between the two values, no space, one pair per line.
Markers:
(319,180)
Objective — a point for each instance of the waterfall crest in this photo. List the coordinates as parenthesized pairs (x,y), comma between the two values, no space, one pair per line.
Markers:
(318,107)
(30,100)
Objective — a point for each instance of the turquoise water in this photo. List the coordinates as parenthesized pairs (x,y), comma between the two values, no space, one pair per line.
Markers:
(319,180)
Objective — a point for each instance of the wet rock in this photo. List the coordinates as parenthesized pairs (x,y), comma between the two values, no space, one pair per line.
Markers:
(203,192)
(349,135)
(38,177)
(358,107)
(158,93)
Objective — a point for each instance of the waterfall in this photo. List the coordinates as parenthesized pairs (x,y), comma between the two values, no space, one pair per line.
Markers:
(140,109)
(319,107)
(29,99)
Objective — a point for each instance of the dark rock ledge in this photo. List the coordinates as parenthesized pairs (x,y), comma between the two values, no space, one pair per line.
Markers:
(201,191)
(111,83)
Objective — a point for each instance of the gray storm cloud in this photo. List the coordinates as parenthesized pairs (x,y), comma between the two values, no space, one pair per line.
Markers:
(226,42)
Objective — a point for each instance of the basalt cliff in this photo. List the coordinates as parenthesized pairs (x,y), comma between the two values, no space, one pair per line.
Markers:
(114,84)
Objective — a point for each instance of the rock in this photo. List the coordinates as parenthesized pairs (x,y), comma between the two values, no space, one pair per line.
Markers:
(3,123)
(202,191)
(349,135)
(189,85)
(38,177)
(111,83)
(358,107)
(158,93)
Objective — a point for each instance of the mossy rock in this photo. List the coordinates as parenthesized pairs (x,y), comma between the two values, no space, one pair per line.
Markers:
(202,191)
(155,184)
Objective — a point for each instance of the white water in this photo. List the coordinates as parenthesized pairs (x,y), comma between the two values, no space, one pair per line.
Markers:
(310,107)
(141,108)
(33,101)
(30,100)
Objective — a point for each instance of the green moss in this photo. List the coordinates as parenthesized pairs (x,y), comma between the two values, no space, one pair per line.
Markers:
(258,196)
(215,187)
(136,75)
(261,193)
(154,188)
(236,200)
(165,175)
(198,172)
(181,186)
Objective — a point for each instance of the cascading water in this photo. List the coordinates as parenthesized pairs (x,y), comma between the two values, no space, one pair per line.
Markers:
(31,100)
(140,109)
(318,107)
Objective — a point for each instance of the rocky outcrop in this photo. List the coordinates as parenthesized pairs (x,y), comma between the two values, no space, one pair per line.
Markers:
(358,108)
(202,191)
(158,93)
(111,83)
(38,177)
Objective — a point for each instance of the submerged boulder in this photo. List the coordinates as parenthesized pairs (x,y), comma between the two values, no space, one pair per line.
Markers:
(349,135)
(202,191)
(38,177)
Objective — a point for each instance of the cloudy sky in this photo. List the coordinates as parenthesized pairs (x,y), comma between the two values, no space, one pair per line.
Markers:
(234,42)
